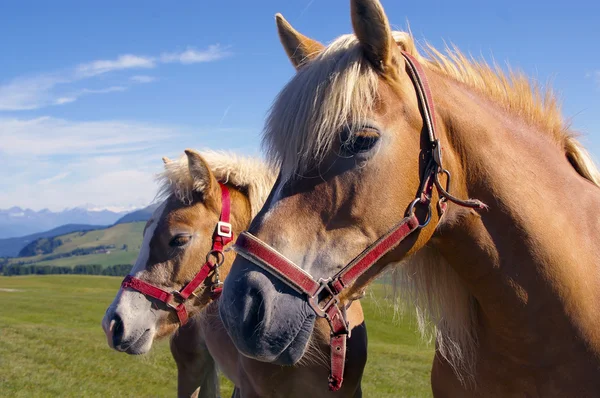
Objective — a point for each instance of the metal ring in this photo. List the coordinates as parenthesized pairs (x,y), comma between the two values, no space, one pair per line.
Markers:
(445,171)
(217,254)
(411,210)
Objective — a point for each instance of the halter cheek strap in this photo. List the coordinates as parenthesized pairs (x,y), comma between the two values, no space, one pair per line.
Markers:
(323,294)
(176,300)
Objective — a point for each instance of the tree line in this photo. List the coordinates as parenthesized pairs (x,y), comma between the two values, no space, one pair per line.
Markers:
(80,251)
(87,269)
(40,246)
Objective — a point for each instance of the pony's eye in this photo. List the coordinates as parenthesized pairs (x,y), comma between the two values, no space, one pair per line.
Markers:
(180,240)
(359,142)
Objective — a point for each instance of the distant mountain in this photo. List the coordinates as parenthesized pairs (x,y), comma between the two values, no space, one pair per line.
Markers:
(10,247)
(20,222)
(138,215)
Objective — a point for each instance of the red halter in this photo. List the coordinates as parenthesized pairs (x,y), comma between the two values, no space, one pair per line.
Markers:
(176,300)
(323,295)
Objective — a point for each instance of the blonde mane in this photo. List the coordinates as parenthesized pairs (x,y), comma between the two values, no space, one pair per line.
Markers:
(339,87)
(251,175)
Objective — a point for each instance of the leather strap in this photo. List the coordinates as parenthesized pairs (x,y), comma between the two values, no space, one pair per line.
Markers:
(249,246)
(176,300)
(419,78)
(337,345)
(149,290)
(435,167)
(373,253)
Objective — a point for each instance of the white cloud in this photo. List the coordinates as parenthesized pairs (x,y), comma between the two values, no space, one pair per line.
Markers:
(29,92)
(127,61)
(192,56)
(72,97)
(104,189)
(26,93)
(64,100)
(56,163)
(142,79)
(112,89)
(50,180)
(50,136)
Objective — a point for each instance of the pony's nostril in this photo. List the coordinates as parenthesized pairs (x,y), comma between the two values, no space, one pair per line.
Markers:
(117,330)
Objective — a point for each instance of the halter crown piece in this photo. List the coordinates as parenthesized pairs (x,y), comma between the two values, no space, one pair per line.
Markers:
(177,299)
(323,295)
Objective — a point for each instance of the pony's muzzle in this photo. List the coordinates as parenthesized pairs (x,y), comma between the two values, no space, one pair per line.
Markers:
(114,329)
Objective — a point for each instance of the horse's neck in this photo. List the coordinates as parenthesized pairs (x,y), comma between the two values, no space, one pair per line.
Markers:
(530,260)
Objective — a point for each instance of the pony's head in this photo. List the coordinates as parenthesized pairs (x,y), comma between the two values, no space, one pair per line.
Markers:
(178,238)
(347,134)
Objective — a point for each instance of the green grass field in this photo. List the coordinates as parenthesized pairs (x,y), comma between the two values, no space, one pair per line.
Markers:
(115,257)
(51,344)
(129,234)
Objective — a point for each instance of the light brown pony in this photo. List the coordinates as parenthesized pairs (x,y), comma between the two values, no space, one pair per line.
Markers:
(176,240)
(513,290)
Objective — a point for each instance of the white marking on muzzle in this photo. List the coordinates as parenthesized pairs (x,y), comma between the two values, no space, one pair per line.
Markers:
(134,309)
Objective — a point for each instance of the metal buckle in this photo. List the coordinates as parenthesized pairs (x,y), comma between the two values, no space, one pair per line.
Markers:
(314,301)
(224,229)
(437,152)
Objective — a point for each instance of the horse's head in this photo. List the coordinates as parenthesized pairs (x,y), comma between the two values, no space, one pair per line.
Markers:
(347,132)
(176,244)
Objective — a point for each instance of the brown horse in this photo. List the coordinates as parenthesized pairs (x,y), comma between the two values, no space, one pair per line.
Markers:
(512,289)
(176,240)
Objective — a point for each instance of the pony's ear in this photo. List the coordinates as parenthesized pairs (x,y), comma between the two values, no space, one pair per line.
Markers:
(166,160)
(204,180)
(373,31)
(298,47)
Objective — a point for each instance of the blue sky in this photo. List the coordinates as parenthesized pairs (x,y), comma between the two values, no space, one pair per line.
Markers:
(93,94)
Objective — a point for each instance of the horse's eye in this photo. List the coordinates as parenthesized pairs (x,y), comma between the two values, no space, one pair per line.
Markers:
(359,142)
(180,240)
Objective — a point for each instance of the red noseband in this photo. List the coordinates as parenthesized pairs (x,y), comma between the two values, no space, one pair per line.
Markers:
(323,295)
(176,300)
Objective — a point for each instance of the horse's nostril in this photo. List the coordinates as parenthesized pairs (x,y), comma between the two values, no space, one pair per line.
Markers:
(117,329)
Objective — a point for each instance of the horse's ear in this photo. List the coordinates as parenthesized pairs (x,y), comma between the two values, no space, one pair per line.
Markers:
(166,160)
(373,31)
(298,47)
(204,180)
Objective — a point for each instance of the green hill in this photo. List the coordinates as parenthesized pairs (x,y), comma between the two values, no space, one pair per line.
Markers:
(118,244)
(10,247)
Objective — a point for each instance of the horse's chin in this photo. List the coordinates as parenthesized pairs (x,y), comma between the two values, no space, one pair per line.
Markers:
(140,346)
(294,352)
(289,354)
